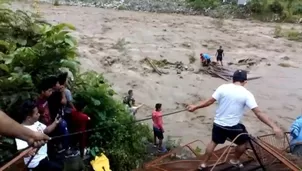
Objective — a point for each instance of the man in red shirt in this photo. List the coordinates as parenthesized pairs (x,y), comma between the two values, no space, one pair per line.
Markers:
(45,90)
(79,120)
(158,128)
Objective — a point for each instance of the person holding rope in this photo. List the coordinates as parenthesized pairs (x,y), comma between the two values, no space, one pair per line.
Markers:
(40,160)
(9,127)
(232,100)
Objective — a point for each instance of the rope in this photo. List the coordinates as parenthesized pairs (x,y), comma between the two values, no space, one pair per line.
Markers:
(98,129)
(22,154)
(227,150)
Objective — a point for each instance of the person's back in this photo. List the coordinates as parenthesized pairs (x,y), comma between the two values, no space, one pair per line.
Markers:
(206,56)
(296,136)
(232,101)
(219,52)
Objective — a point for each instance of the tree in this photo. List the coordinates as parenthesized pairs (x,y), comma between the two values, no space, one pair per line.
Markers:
(31,49)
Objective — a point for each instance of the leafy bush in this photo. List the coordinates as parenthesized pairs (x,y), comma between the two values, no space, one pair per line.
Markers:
(203,4)
(276,7)
(297,9)
(255,6)
(122,140)
(29,51)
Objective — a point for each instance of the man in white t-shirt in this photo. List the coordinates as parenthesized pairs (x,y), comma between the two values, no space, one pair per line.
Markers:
(40,160)
(232,99)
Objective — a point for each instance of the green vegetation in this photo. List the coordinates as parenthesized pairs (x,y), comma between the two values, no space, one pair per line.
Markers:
(290,34)
(264,10)
(31,50)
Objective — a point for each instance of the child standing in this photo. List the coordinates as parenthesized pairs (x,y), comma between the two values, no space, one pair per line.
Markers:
(40,160)
(158,128)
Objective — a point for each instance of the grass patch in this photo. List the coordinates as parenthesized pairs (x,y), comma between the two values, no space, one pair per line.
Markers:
(290,34)
(56,3)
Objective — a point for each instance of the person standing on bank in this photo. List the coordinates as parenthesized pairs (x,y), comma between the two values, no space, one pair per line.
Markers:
(232,99)
(219,55)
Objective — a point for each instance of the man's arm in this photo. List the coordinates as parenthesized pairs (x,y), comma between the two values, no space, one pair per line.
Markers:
(11,128)
(69,98)
(251,103)
(264,118)
(52,127)
(205,103)
(216,95)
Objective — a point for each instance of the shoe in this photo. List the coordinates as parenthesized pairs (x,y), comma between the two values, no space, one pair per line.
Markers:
(69,153)
(236,163)
(162,150)
(202,167)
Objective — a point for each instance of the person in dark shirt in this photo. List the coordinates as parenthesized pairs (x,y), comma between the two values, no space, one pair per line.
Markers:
(56,103)
(219,55)
(129,99)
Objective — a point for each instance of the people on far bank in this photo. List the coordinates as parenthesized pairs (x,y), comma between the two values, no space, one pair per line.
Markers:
(158,129)
(219,55)
(232,99)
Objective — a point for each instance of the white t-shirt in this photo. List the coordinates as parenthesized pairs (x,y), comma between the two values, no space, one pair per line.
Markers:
(41,154)
(232,100)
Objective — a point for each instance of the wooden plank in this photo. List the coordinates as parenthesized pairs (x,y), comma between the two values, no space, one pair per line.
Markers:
(153,66)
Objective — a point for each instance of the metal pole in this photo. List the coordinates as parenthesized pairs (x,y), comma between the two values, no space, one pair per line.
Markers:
(257,157)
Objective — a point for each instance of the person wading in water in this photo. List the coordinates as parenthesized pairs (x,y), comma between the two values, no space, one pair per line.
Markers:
(232,99)
(219,55)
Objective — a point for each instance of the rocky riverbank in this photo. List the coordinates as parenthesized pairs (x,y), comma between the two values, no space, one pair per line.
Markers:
(164,6)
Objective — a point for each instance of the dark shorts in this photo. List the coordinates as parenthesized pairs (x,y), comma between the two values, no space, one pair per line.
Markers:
(158,133)
(221,133)
(219,58)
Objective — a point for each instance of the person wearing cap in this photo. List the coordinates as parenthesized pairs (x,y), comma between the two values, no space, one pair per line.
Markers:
(232,99)
(205,59)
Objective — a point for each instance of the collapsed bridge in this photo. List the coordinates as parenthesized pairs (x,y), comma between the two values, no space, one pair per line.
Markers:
(264,153)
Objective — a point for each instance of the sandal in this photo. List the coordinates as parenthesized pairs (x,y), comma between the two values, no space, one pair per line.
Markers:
(202,167)
(237,163)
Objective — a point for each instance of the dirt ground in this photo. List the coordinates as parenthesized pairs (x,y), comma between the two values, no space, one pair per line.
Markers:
(114,43)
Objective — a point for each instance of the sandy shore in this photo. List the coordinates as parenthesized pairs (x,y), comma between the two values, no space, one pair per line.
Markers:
(115,42)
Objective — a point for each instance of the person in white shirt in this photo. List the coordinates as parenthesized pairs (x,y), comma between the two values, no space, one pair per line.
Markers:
(232,99)
(9,127)
(40,160)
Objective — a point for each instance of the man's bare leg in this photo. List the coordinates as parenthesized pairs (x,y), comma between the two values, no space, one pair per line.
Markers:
(239,150)
(209,151)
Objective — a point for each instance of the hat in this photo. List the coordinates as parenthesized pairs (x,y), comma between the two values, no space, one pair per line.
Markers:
(239,76)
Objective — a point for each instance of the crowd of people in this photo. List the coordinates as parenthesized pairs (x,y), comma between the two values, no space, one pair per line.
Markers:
(52,113)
